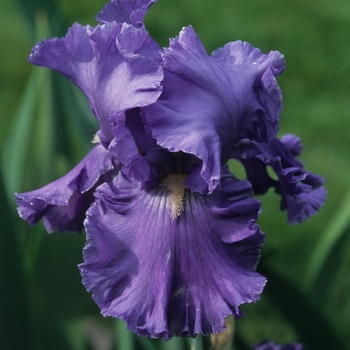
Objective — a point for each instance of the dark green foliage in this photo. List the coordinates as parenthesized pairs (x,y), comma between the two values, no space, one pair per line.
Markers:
(46,127)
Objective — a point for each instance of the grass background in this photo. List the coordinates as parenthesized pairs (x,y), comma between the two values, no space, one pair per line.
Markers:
(45,128)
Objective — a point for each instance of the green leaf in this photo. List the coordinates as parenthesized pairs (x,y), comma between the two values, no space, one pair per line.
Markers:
(57,294)
(17,144)
(30,9)
(43,133)
(147,343)
(173,344)
(75,332)
(300,311)
(32,129)
(324,251)
(15,324)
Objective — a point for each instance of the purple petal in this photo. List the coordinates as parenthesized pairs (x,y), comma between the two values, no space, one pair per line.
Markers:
(128,11)
(302,192)
(210,103)
(261,103)
(64,202)
(106,64)
(143,136)
(126,150)
(169,274)
(275,346)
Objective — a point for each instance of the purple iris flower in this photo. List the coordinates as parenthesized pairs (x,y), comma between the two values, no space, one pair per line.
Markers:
(275,346)
(172,240)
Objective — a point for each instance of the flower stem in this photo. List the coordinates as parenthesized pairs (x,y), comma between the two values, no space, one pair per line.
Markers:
(123,337)
(197,343)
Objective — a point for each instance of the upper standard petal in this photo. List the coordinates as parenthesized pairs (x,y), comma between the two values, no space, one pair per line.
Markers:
(128,11)
(209,103)
(260,109)
(111,64)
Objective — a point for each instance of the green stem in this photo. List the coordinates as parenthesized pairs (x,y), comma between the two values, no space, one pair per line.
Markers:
(197,343)
(123,337)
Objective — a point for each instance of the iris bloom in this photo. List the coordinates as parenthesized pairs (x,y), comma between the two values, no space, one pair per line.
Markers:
(172,240)
(275,346)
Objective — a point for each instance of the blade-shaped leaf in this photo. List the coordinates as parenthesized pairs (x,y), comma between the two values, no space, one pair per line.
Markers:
(15,324)
(30,10)
(300,311)
(17,143)
(338,226)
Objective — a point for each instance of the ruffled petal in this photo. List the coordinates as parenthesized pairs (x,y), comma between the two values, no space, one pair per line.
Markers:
(171,275)
(302,192)
(64,202)
(262,104)
(128,11)
(210,103)
(106,64)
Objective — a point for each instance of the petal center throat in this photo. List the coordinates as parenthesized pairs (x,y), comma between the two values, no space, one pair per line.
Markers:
(175,184)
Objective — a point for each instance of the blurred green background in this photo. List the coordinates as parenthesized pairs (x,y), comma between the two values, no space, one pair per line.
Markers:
(46,127)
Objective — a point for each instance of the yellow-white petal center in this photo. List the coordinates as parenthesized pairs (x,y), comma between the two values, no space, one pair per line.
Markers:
(175,183)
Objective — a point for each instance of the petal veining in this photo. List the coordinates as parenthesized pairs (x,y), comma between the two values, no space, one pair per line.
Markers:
(169,276)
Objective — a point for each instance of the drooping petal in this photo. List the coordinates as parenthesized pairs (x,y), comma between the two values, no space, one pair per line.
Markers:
(63,203)
(105,63)
(171,275)
(302,192)
(210,103)
(128,11)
